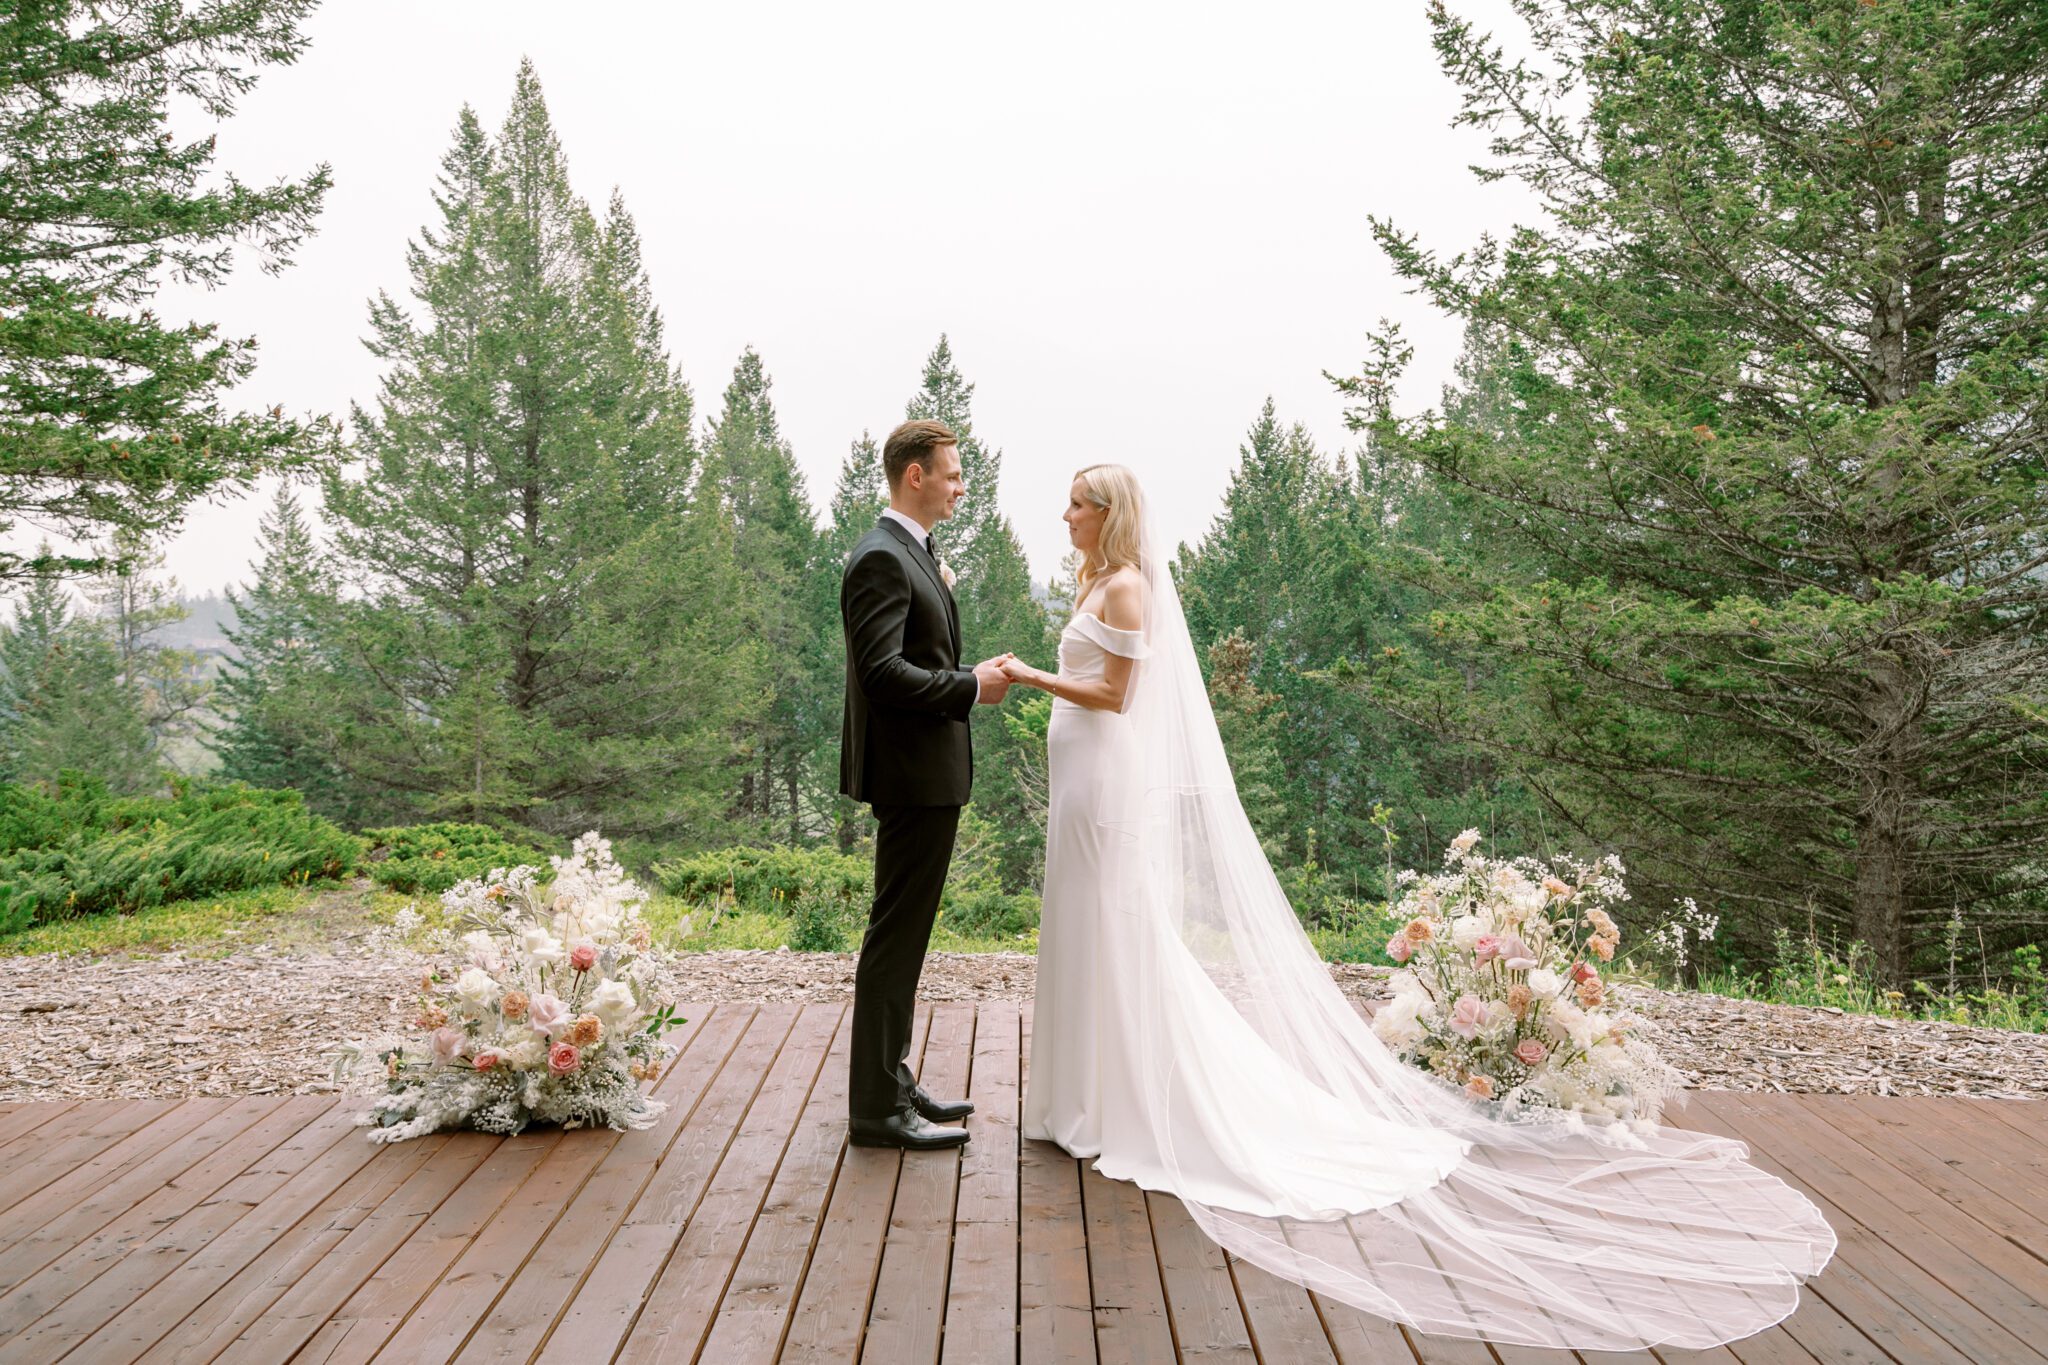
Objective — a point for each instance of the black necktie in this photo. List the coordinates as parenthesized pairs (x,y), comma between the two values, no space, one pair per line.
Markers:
(928,548)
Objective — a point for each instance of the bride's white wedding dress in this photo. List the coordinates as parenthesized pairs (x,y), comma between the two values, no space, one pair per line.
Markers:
(1188,1038)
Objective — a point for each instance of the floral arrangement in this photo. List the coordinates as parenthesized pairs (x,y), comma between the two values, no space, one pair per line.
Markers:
(1500,989)
(545,1015)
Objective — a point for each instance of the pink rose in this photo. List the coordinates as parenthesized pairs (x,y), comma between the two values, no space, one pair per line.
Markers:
(1581,972)
(487,1058)
(583,957)
(546,1013)
(1398,948)
(1529,1052)
(447,1044)
(1486,949)
(564,1059)
(1468,1016)
(1515,953)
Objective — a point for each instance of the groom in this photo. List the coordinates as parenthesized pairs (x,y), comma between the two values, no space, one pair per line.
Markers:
(904,749)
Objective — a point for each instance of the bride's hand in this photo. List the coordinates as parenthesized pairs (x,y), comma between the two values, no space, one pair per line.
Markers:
(1017,670)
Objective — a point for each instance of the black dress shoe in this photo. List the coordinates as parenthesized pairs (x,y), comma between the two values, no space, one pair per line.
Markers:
(908,1131)
(939,1111)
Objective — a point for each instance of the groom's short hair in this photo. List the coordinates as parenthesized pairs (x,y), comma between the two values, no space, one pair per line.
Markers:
(913,443)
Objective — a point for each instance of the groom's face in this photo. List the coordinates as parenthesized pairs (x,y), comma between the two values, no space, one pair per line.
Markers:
(943,486)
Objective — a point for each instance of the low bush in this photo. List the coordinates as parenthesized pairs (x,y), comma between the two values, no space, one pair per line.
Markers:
(767,880)
(81,850)
(428,859)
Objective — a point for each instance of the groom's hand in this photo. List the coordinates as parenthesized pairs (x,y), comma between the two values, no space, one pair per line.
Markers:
(995,684)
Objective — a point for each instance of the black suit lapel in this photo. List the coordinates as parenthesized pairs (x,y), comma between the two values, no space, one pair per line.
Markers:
(931,571)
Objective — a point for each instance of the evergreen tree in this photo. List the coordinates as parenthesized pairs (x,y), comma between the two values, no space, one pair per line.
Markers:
(278,645)
(63,703)
(998,612)
(110,417)
(540,635)
(135,603)
(750,470)
(1766,414)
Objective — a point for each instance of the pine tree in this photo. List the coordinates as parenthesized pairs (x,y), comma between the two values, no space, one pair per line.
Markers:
(278,646)
(135,602)
(749,468)
(1765,412)
(998,612)
(110,416)
(63,703)
(540,633)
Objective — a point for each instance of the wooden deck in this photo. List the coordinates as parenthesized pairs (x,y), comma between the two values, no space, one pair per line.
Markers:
(742,1228)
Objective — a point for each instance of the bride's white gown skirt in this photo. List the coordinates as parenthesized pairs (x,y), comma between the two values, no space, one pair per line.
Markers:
(1187,1038)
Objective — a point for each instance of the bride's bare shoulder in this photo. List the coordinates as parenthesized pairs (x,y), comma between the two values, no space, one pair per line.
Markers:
(1123,599)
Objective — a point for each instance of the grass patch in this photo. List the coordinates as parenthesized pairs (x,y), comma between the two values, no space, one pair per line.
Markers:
(272,918)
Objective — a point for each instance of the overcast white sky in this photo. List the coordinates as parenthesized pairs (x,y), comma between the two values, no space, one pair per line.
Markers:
(1135,221)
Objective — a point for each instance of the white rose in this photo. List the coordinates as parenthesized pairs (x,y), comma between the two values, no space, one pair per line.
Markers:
(613,1002)
(1465,931)
(540,945)
(1545,984)
(946,572)
(476,990)
(526,1048)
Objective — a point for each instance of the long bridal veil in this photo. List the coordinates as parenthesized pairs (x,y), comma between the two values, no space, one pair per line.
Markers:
(1528,1230)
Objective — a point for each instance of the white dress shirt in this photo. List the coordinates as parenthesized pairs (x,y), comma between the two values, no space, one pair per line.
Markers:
(922,534)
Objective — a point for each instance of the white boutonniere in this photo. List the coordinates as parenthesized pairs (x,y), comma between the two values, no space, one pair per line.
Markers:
(946,572)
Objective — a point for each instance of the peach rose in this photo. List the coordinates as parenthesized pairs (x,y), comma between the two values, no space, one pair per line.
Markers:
(1592,991)
(1557,887)
(1602,948)
(1520,997)
(513,1006)
(564,1059)
(431,1017)
(1480,1087)
(585,1030)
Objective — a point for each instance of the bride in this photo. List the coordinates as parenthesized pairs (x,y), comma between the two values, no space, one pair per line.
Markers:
(1188,1038)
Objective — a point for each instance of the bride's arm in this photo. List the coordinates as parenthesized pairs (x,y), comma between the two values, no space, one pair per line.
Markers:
(1122,607)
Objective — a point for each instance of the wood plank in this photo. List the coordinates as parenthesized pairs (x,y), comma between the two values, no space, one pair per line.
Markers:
(132,1267)
(520,1319)
(442,1322)
(1869,1270)
(168,1326)
(1990,1272)
(357,1329)
(981,1287)
(909,1308)
(112,1142)
(181,1181)
(1201,1297)
(1055,1313)
(677,1310)
(1129,1299)
(831,1313)
(755,1312)
(27,1117)
(1281,1318)
(318,1289)
(1955,1162)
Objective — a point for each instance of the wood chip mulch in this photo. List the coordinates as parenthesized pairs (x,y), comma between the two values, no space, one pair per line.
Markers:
(258,1023)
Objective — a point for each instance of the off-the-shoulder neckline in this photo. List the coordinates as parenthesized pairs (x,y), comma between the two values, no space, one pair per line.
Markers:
(1099,621)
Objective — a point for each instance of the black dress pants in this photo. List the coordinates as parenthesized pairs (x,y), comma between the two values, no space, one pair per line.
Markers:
(913,848)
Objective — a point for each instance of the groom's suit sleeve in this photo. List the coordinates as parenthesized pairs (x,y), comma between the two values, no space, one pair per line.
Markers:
(874,600)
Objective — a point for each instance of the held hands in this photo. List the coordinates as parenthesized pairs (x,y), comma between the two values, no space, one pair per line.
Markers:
(994,677)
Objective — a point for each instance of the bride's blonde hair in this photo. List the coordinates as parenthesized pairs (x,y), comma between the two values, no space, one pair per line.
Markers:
(1114,489)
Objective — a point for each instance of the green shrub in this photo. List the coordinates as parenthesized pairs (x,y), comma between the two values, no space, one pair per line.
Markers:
(821,924)
(84,851)
(428,859)
(767,880)
(983,912)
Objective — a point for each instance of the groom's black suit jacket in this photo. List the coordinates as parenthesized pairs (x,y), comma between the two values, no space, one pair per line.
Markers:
(904,739)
